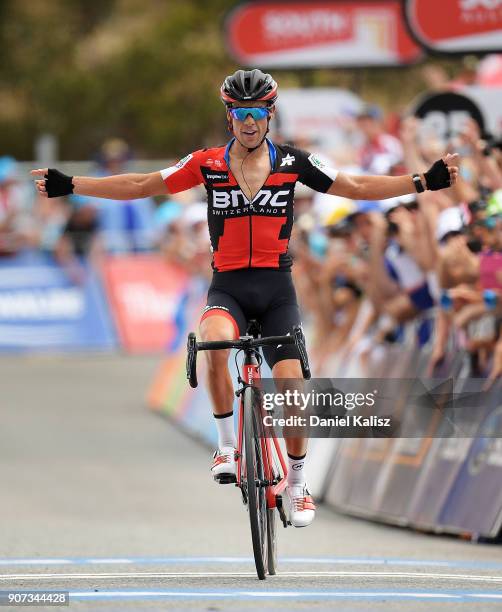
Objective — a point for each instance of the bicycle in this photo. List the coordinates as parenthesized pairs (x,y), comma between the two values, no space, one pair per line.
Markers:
(261,467)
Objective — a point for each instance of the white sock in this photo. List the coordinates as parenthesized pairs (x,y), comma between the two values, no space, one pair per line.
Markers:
(296,471)
(225,427)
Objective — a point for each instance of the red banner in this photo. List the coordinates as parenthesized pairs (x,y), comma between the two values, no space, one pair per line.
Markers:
(456,26)
(336,33)
(145,294)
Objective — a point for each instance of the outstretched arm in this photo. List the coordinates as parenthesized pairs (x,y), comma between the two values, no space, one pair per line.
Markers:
(382,187)
(117,187)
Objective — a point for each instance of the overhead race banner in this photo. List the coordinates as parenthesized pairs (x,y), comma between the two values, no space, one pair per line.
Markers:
(305,34)
(456,26)
(148,298)
(41,309)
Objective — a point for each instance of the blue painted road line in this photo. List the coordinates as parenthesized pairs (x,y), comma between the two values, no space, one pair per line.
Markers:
(145,594)
(5,562)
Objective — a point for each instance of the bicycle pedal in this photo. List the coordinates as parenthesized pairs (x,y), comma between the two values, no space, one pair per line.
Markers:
(225,478)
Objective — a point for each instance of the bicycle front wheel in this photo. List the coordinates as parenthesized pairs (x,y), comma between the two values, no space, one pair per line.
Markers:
(255,481)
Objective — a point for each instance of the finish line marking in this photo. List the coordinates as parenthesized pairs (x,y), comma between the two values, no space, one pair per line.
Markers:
(131,575)
(247,560)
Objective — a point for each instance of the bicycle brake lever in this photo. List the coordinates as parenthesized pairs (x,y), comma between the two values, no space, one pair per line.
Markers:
(191,365)
(300,344)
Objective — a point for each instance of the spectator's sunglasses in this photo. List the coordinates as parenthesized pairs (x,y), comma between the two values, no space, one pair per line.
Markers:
(259,112)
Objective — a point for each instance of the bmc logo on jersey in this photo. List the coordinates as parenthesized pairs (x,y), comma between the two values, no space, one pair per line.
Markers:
(235,198)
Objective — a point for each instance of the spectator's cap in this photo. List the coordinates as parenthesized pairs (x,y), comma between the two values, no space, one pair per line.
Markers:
(339,213)
(371,111)
(8,167)
(115,149)
(166,213)
(195,213)
(494,206)
(450,221)
(390,203)
(79,201)
(365,206)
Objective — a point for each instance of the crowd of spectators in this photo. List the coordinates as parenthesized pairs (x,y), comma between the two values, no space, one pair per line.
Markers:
(364,271)
(368,271)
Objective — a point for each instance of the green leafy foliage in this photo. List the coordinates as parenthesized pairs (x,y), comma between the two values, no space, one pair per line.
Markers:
(144,70)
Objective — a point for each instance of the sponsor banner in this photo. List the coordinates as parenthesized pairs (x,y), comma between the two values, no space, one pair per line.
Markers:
(330,33)
(405,457)
(148,299)
(446,480)
(474,503)
(444,115)
(456,26)
(42,309)
(441,464)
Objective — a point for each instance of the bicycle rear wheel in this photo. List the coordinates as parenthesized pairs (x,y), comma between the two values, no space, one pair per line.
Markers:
(255,475)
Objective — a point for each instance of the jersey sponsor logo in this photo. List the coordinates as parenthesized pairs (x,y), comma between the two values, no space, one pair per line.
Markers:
(222,176)
(213,176)
(235,198)
(315,161)
(288,160)
(217,163)
(208,308)
(184,160)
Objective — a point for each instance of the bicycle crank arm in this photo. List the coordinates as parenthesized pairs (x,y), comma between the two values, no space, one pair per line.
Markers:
(282,513)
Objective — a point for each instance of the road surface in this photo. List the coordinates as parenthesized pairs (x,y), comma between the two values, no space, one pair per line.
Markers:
(108,501)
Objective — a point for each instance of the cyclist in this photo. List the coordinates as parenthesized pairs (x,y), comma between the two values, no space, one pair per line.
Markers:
(250,187)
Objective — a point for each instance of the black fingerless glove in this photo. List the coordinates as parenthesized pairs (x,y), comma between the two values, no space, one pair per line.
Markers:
(58,184)
(437,177)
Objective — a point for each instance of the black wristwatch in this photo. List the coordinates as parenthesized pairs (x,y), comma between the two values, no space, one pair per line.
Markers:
(418,183)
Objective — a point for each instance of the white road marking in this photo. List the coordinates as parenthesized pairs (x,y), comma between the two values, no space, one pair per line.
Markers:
(489,565)
(130,575)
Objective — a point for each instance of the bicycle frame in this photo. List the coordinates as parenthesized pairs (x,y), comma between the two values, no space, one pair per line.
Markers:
(251,376)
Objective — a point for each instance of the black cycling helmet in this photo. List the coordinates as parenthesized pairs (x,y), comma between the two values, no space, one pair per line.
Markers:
(249,85)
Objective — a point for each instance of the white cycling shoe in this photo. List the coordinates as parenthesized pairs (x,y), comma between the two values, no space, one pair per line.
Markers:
(301,505)
(224,467)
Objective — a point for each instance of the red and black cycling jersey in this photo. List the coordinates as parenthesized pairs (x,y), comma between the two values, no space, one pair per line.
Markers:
(248,234)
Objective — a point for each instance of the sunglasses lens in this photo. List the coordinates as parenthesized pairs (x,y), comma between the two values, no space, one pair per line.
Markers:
(241,113)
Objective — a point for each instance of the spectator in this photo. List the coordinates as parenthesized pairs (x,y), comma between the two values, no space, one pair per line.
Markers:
(128,226)
(79,239)
(17,229)
(380,151)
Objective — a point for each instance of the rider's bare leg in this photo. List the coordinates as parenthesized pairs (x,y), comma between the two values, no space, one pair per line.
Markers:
(219,382)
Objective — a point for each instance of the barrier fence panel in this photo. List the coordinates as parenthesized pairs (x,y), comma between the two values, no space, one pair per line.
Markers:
(148,300)
(474,500)
(41,308)
(445,484)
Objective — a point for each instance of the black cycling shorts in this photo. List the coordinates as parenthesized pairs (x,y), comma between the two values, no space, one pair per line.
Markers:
(263,294)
